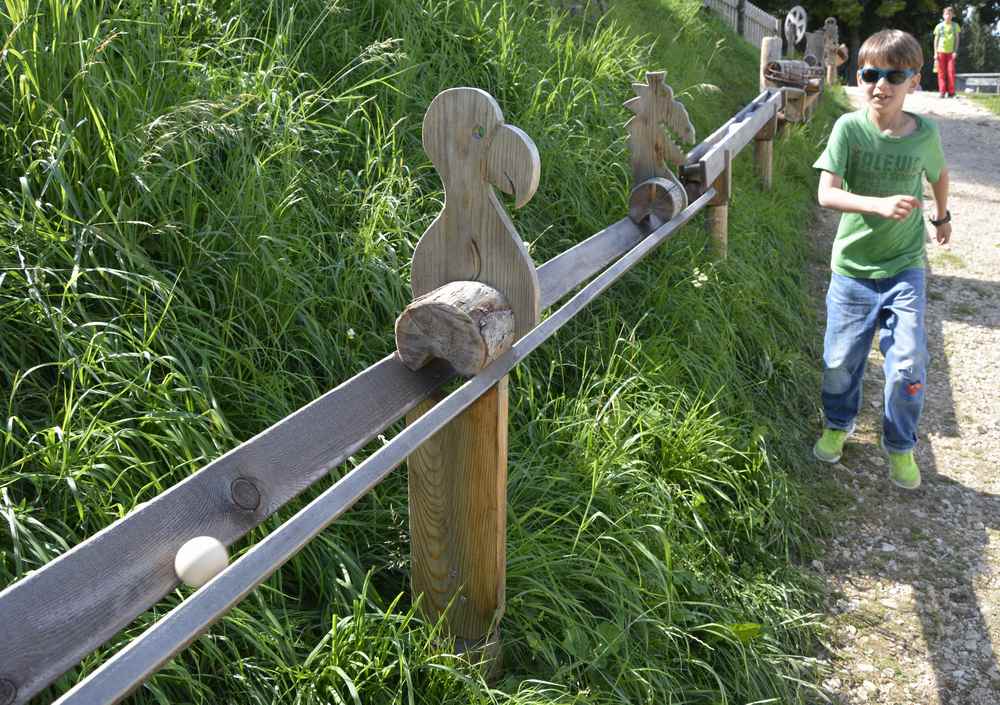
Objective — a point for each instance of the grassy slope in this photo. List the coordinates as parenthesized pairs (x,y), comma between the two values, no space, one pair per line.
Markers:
(196,202)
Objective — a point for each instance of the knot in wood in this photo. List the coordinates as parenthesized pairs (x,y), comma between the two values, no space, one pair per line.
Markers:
(466,323)
(8,691)
(245,494)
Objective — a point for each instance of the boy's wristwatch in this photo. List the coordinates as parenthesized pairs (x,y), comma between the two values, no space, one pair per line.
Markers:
(946,219)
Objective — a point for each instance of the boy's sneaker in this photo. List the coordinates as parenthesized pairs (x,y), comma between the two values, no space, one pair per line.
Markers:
(903,470)
(830,445)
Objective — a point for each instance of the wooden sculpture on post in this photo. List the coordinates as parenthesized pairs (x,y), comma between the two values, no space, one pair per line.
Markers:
(831,43)
(657,195)
(476,291)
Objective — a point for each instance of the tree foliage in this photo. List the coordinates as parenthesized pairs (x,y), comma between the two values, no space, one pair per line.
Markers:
(857,19)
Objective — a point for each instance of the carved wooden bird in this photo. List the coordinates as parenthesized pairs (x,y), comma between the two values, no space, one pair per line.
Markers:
(473,239)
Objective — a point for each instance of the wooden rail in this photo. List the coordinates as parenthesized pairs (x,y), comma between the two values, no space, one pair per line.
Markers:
(56,615)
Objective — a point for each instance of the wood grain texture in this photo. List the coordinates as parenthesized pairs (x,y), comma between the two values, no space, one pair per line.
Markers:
(656,201)
(717,215)
(55,616)
(567,270)
(458,516)
(468,324)
(473,239)
(770,50)
(763,159)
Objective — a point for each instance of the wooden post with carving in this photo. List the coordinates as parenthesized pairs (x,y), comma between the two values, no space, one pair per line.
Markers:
(657,194)
(476,291)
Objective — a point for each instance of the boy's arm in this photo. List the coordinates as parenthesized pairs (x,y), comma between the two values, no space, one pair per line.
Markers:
(940,189)
(831,195)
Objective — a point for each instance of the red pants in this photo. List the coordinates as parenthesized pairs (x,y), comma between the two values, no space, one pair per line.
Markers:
(946,72)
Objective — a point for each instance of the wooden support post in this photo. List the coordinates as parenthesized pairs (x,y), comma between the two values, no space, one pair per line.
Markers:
(458,520)
(770,50)
(763,152)
(717,213)
(458,479)
(741,18)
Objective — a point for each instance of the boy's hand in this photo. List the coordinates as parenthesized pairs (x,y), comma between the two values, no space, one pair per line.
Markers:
(897,207)
(943,234)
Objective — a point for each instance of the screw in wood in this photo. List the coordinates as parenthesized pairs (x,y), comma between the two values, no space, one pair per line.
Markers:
(8,691)
(244,494)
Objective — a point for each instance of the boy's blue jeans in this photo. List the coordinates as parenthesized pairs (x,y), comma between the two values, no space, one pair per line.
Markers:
(855,308)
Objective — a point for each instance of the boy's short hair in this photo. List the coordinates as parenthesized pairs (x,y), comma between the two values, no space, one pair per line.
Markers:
(949,9)
(892,47)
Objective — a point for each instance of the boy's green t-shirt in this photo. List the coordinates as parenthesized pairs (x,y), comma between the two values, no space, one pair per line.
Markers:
(873,164)
(945,35)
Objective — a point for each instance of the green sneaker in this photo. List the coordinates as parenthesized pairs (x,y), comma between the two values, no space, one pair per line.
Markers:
(831,444)
(903,470)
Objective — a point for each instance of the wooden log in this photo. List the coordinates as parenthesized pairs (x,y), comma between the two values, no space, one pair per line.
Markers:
(717,214)
(458,517)
(468,324)
(770,50)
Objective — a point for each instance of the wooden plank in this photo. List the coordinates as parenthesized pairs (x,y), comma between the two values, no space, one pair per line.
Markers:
(458,516)
(566,271)
(741,135)
(127,669)
(54,616)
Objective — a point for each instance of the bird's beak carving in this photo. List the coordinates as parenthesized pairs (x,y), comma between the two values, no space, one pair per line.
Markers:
(512,163)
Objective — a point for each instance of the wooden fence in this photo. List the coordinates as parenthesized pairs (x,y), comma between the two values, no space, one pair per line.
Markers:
(473,283)
(748,20)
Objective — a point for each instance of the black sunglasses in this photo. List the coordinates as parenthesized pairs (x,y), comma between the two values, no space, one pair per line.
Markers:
(870,74)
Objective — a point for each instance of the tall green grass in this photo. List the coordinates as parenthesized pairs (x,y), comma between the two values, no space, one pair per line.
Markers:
(208,212)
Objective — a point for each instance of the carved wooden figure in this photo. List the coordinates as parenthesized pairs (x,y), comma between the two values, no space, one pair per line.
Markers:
(657,194)
(471,274)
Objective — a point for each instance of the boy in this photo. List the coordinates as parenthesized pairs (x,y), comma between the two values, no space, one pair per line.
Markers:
(871,171)
(946,40)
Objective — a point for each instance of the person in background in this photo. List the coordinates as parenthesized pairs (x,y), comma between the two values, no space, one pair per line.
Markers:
(946,41)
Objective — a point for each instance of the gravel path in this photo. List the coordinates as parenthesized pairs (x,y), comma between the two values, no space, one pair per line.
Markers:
(914,577)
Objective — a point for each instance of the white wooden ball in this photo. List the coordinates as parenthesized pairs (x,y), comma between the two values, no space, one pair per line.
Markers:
(199,560)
